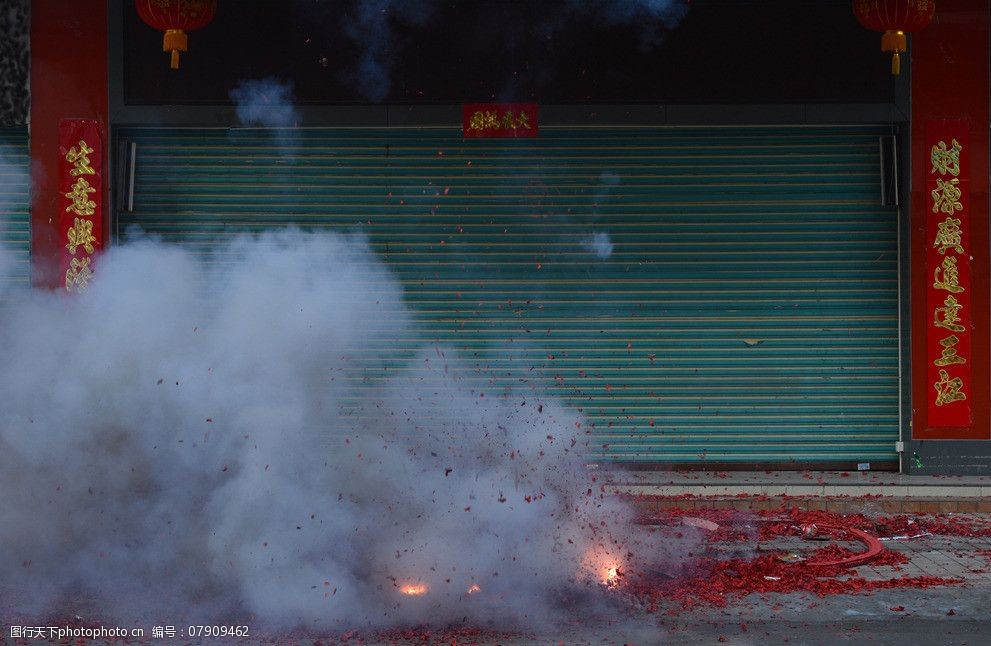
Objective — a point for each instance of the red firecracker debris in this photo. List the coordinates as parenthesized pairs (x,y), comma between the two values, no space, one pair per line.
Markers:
(710,581)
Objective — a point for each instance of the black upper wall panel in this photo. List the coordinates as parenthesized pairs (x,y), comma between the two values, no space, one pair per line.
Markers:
(549,51)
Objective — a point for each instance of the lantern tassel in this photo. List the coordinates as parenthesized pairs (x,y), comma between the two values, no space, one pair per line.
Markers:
(175,41)
(894,41)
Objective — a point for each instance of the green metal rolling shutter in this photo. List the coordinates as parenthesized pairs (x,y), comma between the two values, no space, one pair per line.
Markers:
(15,214)
(746,311)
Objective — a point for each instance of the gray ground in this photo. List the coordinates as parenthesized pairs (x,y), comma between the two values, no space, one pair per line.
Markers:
(958,614)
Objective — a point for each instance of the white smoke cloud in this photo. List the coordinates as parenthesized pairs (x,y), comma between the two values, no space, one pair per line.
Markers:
(599,243)
(181,443)
(265,102)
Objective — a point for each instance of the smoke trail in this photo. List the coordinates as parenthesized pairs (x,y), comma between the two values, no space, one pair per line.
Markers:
(651,17)
(268,103)
(599,244)
(667,12)
(213,443)
(265,102)
(369,28)
(608,181)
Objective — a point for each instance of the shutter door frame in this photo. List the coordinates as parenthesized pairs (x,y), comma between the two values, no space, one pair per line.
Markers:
(779,229)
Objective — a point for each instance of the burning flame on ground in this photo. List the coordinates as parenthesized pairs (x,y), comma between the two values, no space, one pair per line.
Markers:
(413,589)
(604,568)
(473,588)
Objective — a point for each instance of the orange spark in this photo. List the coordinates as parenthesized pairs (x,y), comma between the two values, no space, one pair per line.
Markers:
(413,589)
(602,567)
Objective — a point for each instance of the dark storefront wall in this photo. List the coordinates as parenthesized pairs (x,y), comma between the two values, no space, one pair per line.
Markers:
(442,52)
(747,312)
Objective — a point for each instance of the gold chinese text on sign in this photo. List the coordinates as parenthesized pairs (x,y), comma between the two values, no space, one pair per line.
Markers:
(946,160)
(946,197)
(951,276)
(948,390)
(948,316)
(948,252)
(80,179)
(948,236)
(79,158)
(79,198)
(78,274)
(81,234)
(491,120)
(499,120)
(949,355)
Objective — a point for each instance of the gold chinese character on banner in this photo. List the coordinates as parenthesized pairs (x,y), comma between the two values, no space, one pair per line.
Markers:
(948,236)
(523,121)
(79,158)
(948,316)
(484,120)
(508,122)
(946,197)
(78,274)
(81,234)
(951,277)
(81,204)
(949,355)
(946,160)
(948,390)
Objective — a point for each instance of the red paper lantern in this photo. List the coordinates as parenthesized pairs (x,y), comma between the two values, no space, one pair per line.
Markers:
(175,18)
(894,18)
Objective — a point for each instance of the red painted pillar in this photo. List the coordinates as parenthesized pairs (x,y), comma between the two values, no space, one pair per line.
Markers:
(950,86)
(69,80)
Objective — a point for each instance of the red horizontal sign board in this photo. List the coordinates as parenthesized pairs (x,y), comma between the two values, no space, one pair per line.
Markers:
(499,119)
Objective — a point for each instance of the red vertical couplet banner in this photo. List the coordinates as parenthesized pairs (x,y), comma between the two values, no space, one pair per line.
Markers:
(81,188)
(949,329)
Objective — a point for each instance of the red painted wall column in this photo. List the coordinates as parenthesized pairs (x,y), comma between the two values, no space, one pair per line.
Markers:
(69,79)
(950,87)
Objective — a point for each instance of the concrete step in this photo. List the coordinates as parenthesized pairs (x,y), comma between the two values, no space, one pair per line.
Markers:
(840,491)
(849,505)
